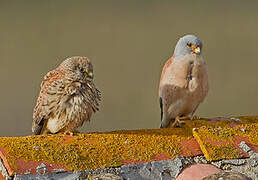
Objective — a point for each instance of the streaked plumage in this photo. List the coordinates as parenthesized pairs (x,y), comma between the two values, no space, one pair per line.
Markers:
(67,98)
(183,82)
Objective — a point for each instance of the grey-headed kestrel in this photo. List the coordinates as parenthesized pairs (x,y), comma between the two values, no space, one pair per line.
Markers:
(67,98)
(183,82)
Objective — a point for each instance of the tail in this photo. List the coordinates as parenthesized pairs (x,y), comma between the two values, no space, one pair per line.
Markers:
(166,123)
(161,110)
(37,128)
(161,107)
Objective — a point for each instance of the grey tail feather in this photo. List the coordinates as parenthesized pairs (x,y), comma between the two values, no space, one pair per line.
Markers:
(164,125)
(161,107)
(161,111)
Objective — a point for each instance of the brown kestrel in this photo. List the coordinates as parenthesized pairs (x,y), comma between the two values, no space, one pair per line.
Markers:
(183,82)
(67,98)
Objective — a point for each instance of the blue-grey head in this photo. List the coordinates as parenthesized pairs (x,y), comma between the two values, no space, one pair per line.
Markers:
(189,44)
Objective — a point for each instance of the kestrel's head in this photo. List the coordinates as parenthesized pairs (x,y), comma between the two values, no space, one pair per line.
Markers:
(78,68)
(188,44)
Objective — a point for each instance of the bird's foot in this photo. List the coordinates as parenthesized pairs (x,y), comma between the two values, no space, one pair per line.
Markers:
(195,118)
(178,122)
(68,133)
(71,133)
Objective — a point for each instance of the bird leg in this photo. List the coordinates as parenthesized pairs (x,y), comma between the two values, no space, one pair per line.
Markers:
(178,121)
(195,118)
(68,133)
(71,133)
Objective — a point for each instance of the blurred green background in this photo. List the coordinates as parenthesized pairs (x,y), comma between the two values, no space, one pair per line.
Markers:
(128,43)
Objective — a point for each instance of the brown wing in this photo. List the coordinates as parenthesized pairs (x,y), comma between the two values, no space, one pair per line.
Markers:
(92,94)
(167,64)
(51,87)
(204,81)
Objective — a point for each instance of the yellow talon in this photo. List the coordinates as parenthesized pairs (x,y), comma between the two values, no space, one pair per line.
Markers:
(178,121)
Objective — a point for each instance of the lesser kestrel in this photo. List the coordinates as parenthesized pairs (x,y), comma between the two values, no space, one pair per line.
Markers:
(183,82)
(67,98)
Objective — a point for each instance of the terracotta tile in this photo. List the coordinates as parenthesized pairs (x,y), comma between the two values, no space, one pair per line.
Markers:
(221,121)
(4,157)
(223,142)
(198,172)
(190,148)
(94,150)
(40,167)
(47,153)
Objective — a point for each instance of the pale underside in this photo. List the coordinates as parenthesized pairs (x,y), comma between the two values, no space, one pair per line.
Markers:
(183,86)
(69,116)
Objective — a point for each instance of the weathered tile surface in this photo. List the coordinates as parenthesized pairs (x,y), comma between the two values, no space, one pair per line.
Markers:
(216,138)
(223,142)
(47,154)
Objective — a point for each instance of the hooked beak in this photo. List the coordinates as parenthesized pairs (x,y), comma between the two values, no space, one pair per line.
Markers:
(197,50)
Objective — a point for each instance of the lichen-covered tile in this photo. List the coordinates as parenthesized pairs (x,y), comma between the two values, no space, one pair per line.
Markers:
(217,138)
(221,121)
(48,153)
(222,142)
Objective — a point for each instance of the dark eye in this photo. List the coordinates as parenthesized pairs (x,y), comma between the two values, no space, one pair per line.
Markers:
(83,70)
(189,44)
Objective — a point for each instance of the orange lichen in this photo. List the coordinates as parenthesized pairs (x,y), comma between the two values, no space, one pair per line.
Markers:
(216,152)
(94,150)
(222,122)
(98,150)
(249,131)
(219,142)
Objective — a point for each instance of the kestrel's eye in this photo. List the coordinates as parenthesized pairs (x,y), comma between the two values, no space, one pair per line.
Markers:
(189,44)
(83,70)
